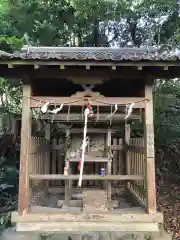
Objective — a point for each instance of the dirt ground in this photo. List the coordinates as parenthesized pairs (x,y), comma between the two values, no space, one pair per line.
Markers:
(168,202)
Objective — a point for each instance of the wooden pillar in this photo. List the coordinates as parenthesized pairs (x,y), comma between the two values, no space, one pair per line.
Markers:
(24,152)
(149,151)
(127,160)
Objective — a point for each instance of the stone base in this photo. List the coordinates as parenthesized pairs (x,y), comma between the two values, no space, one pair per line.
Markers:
(11,234)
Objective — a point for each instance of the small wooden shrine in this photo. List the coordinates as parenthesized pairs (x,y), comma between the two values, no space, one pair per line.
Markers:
(77,181)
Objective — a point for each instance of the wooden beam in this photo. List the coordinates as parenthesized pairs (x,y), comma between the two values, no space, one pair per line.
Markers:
(85,227)
(85,177)
(117,147)
(10,66)
(136,149)
(139,68)
(90,130)
(105,73)
(123,72)
(24,151)
(62,67)
(36,66)
(40,148)
(91,63)
(62,117)
(91,159)
(114,216)
(39,101)
(149,151)
(79,203)
(56,73)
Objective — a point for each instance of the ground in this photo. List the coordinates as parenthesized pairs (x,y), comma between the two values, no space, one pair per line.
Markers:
(168,199)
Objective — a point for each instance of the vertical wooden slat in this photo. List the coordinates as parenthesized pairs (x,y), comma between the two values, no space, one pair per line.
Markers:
(137,159)
(40,163)
(60,163)
(120,158)
(31,167)
(32,157)
(67,182)
(47,154)
(114,157)
(24,152)
(128,155)
(109,166)
(38,156)
(44,156)
(132,161)
(135,162)
(140,158)
(143,167)
(149,151)
(53,158)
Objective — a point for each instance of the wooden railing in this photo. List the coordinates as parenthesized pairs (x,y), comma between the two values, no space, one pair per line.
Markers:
(137,166)
(117,150)
(40,155)
(39,163)
(57,160)
(94,168)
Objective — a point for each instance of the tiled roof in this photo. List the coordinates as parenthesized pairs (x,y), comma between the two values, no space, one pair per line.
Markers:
(88,53)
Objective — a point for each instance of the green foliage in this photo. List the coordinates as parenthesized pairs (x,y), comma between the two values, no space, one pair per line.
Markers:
(10,44)
(90,23)
(10,95)
(167,128)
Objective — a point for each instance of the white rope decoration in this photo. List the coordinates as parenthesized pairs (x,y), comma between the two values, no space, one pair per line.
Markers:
(86,113)
(56,110)
(44,108)
(129,111)
(116,107)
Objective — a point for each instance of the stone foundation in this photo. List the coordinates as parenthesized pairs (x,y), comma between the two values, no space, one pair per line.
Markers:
(11,234)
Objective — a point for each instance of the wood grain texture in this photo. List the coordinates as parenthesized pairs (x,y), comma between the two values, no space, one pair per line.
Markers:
(149,154)
(87,227)
(85,177)
(24,151)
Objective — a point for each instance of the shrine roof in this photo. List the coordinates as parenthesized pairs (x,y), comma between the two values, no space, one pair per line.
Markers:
(89,54)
